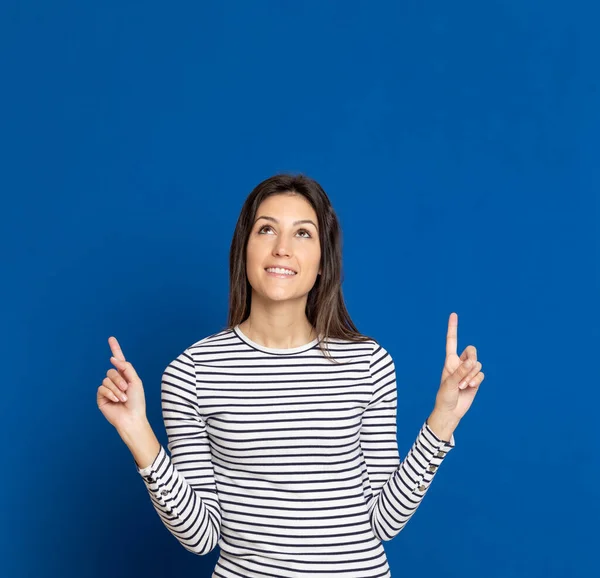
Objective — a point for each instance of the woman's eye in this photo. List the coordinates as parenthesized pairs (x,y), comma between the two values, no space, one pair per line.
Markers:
(300,231)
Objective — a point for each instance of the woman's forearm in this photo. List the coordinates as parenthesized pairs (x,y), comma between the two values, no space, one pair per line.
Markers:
(442,425)
(142,442)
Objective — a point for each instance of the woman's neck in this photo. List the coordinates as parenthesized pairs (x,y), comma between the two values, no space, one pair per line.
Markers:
(278,333)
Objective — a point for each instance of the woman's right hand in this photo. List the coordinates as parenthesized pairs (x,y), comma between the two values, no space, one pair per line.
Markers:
(119,382)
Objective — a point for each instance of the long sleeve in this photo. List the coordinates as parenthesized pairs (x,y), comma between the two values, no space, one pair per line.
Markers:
(397,488)
(182,487)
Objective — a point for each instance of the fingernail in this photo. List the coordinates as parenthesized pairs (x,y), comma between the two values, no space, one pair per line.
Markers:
(124,397)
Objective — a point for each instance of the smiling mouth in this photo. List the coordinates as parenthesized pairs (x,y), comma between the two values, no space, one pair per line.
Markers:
(280,273)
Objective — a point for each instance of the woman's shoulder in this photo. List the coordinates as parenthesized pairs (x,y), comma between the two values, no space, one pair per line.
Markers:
(222,338)
(376,348)
(362,347)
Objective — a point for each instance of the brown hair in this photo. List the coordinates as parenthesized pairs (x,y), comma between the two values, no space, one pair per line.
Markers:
(325,307)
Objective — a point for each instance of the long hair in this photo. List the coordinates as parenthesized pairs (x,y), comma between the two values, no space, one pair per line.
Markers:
(325,307)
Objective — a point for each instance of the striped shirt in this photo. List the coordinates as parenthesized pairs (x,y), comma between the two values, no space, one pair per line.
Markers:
(285,460)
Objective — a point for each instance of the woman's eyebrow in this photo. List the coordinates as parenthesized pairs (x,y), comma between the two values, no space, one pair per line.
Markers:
(294,223)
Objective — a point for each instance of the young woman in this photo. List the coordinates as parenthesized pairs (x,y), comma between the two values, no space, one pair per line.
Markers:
(282,426)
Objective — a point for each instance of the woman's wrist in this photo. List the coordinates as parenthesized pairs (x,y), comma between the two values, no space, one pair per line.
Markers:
(143,444)
(442,425)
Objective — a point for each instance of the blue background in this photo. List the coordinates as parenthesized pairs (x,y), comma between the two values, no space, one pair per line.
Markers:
(458,142)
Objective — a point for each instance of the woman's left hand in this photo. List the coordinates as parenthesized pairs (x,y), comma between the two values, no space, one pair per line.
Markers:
(454,400)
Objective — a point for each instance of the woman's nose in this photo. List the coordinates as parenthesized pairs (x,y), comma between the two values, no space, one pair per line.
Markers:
(280,249)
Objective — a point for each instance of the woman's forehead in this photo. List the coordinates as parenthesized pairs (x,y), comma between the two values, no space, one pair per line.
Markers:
(286,207)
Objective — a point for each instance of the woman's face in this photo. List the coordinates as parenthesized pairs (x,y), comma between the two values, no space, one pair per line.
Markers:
(284,234)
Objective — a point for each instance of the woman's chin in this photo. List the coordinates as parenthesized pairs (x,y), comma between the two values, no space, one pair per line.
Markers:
(279,295)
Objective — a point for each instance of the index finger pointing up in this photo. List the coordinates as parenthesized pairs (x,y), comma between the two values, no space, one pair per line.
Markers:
(451,336)
(115,348)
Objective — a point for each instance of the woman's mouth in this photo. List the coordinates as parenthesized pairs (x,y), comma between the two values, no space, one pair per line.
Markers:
(280,273)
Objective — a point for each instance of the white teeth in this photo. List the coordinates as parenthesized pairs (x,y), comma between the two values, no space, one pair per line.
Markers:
(279,271)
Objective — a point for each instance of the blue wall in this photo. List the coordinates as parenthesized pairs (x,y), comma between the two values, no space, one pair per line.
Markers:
(458,142)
